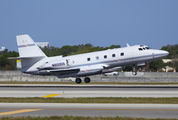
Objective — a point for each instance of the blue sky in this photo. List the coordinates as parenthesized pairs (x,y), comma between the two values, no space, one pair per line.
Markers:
(99,22)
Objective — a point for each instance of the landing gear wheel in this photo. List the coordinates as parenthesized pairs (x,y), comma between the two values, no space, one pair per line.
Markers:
(114,75)
(134,72)
(87,80)
(78,80)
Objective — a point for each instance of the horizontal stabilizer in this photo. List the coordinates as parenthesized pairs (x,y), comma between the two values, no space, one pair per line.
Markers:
(17,58)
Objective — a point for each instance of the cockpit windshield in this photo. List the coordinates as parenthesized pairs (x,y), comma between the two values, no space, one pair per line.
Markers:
(143,47)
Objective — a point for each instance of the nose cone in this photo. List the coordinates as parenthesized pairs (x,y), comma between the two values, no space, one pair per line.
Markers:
(160,54)
(164,53)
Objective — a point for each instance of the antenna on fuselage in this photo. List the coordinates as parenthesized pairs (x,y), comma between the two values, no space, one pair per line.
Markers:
(127,45)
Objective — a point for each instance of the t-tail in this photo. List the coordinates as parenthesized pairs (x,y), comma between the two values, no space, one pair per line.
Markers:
(29,52)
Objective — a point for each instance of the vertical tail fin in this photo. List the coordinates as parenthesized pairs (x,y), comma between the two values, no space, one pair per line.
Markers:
(29,52)
(27,47)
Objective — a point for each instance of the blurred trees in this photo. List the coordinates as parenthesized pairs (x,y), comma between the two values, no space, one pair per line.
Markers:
(173,51)
(6,64)
(157,65)
(173,64)
(76,49)
(173,54)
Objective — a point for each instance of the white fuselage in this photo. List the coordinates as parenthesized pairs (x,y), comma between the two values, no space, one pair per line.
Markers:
(94,62)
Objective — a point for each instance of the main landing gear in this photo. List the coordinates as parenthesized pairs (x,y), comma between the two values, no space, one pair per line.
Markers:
(79,80)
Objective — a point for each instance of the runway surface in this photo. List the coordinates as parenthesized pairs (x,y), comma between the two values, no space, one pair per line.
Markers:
(69,91)
(104,110)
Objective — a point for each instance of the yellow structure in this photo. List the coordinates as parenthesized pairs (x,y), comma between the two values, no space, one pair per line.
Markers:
(18,64)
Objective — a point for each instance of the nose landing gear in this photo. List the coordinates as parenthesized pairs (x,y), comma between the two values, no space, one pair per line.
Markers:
(134,71)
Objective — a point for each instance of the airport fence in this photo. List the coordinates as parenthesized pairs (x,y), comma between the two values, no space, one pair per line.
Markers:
(122,77)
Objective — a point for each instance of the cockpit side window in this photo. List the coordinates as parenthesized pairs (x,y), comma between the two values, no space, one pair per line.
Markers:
(140,49)
(147,48)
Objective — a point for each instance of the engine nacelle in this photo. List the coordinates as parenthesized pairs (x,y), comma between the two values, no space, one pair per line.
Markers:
(53,65)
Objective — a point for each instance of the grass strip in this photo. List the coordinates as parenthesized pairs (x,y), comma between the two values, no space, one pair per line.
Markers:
(92,100)
(113,83)
(79,118)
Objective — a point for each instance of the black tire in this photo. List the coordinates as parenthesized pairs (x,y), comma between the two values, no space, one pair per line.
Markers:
(115,75)
(78,80)
(87,80)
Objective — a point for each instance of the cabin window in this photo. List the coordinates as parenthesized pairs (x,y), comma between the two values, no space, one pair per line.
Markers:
(140,49)
(122,54)
(105,56)
(88,59)
(113,55)
(97,58)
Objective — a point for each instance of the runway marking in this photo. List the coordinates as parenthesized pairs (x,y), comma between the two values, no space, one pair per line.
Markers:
(52,95)
(19,111)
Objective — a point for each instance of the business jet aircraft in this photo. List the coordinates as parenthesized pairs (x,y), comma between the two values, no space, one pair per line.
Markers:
(35,62)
